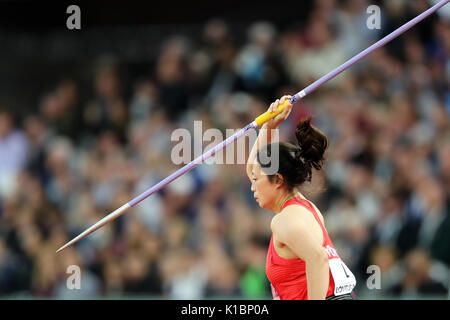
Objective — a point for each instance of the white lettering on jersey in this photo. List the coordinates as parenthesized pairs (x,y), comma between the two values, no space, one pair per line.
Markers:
(274,293)
(344,280)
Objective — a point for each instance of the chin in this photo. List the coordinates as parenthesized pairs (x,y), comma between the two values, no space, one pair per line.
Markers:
(260,204)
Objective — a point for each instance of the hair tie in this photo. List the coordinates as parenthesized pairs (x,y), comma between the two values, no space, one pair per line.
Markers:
(296,154)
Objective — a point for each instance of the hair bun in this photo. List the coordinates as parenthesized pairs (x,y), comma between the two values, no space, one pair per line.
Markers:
(298,155)
(296,162)
(312,144)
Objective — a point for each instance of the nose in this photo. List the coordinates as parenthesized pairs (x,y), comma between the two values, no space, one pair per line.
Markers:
(253,188)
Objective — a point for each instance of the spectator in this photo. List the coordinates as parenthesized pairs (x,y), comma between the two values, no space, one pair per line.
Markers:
(13,152)
(416,279)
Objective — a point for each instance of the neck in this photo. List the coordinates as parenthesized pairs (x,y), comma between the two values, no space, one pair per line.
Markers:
(283,199)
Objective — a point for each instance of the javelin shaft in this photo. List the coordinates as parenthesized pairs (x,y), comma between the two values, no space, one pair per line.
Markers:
(394,34)
(318,83)
(194,163)
(258,122)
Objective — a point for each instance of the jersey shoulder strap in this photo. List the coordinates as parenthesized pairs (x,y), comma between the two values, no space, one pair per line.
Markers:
(308,206)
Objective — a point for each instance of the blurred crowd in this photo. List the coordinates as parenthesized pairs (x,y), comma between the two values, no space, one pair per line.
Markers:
(384,190)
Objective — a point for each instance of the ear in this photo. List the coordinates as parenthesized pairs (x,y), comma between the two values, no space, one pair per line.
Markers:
(279,181)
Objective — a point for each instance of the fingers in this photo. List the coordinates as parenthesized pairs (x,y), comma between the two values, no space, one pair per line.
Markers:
(273,107)
(287,112)
(283,115)
(275,121)
(284,98)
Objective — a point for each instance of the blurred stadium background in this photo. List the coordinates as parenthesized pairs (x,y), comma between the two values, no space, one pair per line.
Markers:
(85,126)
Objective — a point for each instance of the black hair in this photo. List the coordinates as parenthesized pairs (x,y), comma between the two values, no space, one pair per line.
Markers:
(295,163)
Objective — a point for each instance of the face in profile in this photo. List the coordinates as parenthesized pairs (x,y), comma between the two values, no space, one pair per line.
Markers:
(264,191)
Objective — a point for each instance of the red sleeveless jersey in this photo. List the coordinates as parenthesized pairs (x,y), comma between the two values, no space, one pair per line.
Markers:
(288,276)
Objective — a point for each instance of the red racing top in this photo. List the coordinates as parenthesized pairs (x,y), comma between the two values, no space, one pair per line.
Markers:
(288,276)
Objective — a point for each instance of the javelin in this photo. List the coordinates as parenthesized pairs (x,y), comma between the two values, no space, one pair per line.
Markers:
(259,121)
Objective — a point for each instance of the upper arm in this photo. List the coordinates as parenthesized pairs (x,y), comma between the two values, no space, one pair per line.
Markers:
(291,230)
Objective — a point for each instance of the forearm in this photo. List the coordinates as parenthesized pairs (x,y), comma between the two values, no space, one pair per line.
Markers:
(317,275)
(266,135)
(269,131)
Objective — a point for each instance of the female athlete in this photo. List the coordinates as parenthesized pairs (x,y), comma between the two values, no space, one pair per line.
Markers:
(302,262)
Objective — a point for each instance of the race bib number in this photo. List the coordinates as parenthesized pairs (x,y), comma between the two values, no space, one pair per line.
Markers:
(344,280)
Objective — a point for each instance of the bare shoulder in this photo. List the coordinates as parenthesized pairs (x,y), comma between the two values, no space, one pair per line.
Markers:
(297,228)
(290,217)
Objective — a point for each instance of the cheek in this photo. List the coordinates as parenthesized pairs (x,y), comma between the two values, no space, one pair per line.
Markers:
(266,195)
(264,188)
